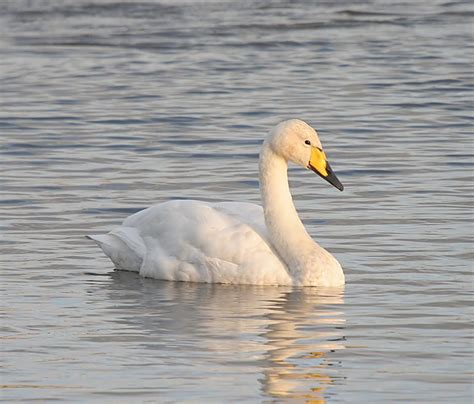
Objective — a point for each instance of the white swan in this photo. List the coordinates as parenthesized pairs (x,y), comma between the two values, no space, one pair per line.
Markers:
(233,242)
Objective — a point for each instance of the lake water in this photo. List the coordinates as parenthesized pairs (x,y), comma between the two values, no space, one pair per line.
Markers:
(108,107)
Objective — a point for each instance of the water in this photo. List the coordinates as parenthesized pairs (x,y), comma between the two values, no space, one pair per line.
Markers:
(108,107)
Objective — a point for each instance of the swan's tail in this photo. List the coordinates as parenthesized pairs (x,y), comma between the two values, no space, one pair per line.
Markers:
(123,246)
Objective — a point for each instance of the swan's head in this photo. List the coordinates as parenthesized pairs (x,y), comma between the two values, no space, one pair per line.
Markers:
(296,141)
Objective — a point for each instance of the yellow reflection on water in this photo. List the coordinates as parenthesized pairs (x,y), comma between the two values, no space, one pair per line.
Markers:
(283,337)
(305,329)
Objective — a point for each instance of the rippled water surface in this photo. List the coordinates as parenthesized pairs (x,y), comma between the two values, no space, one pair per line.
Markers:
(108,107)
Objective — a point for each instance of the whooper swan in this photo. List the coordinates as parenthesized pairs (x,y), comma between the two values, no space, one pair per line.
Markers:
(234,242)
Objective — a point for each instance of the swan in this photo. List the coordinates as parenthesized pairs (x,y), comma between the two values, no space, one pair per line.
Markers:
(234,242)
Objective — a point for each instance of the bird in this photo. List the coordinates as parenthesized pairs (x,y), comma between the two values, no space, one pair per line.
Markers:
(234,242)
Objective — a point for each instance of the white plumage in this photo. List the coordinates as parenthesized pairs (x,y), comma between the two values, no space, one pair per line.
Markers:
(233,242)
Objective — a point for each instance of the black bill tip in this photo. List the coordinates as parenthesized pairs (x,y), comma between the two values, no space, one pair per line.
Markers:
(330,177)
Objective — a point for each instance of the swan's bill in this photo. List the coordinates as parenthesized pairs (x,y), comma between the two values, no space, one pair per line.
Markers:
(319,164)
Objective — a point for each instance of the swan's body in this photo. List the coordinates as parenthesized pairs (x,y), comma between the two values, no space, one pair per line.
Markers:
(231,242)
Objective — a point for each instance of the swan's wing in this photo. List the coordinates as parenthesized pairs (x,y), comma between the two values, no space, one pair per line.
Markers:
(204,242)
(248,213)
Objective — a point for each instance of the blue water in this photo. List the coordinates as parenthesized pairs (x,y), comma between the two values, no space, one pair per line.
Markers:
(108,107)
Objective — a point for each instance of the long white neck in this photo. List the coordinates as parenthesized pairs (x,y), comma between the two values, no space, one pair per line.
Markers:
(286,231)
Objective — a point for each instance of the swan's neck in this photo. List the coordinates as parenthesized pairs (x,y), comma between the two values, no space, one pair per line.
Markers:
(286,231)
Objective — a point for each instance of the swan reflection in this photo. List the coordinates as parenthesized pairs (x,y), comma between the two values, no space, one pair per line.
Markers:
(307,324)
(284,336)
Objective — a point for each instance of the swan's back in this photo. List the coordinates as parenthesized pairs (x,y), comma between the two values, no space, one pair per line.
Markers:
(186,240)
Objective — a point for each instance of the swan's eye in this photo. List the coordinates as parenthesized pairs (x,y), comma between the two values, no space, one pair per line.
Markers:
(307,142)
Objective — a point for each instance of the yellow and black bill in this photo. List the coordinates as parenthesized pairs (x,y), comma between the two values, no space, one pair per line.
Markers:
(320,166)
